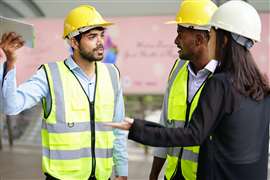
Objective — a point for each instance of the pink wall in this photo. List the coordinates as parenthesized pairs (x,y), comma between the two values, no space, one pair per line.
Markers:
(261,51)
(146,50)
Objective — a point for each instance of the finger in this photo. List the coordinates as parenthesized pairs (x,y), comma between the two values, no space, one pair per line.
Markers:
(9,38)
(15,38)
(4,37)
(116,125)
(129,120)
(111,124)
(18,42)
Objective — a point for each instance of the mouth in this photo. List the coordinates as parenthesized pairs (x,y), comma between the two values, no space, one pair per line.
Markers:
(100,50)
(179,49)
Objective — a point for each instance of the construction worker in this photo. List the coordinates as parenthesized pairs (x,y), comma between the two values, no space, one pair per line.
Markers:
(79,94)
(231,121)
(186,80)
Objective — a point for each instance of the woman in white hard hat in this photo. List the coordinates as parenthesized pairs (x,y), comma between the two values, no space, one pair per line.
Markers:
(231,122)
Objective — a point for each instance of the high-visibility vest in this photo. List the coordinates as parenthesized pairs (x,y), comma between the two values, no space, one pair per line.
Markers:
(75,142)
(178,114)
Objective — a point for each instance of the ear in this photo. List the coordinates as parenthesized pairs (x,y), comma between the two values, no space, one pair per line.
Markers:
(199,39)
(74,43)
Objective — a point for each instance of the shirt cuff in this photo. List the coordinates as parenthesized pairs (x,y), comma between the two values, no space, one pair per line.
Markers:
(121,170)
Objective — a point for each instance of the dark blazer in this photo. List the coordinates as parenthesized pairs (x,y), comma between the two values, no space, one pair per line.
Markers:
(232,130)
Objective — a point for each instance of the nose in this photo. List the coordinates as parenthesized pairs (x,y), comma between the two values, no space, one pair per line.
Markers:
(100,40)
(176,41)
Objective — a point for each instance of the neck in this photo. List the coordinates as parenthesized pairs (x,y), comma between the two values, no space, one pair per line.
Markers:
(200,61)
(87,66)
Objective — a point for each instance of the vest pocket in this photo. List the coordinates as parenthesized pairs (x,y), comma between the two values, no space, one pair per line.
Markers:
(63,153)
(65,165)
(78,113)
(64,141)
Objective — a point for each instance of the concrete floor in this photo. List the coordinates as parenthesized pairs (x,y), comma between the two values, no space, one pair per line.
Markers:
(23,162)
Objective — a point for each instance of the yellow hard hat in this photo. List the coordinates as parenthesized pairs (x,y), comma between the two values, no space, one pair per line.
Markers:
(195,13)
(81,19)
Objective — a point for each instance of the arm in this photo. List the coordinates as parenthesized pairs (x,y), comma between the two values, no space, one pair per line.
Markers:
(156,167)
(120,155)
(202,122)
(159,153)
(28,94)
(16,99)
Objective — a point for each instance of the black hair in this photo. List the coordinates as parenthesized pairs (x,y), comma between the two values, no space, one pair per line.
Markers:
(238,62)
(79,37)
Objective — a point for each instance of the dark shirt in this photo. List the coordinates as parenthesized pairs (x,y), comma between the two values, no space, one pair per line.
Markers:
(232,130)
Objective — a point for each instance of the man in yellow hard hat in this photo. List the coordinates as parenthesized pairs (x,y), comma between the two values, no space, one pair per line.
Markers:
(186,80)
(79,94)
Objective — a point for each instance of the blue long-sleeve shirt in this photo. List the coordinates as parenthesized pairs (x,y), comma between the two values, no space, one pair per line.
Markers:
(28,94)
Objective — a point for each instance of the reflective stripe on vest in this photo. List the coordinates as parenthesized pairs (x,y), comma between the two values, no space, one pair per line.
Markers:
(78,127)
(66,128)
(76,154)
(176,105)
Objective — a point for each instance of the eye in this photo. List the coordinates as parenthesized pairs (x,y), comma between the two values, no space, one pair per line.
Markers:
(102,35)
(91,36)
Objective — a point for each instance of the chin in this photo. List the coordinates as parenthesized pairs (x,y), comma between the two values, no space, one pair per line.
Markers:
(99,58)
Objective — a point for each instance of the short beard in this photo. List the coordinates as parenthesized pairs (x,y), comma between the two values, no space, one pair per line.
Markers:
(89,56)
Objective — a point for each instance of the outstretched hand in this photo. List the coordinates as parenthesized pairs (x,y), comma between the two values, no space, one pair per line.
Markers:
(10,42)
(125,125)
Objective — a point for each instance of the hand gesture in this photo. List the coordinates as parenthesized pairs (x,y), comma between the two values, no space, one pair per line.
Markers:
(125,125)
(10,42)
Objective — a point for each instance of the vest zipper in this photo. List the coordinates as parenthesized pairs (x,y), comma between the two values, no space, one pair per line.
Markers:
(93,137)
(92,122)
(93,131)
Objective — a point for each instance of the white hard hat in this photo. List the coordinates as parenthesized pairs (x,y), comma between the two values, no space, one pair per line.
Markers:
(238,17)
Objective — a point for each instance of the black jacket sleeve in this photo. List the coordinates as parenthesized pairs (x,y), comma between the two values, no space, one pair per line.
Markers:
(208,112)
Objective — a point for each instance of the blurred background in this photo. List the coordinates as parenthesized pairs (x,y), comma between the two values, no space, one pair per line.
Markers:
(140,44)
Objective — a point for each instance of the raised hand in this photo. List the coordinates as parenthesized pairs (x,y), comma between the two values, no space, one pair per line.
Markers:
(10,42)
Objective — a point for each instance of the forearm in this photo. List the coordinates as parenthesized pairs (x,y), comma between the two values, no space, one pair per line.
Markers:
(17,99)
(11,100)
(120,155)
(205,117)
(156,167)
(153,134)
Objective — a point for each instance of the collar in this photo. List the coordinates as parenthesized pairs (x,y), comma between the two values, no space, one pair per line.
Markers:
(71,63)
(73,66)
(210,67)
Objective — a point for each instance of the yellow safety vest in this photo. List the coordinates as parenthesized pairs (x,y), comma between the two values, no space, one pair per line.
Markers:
(179,112)
(75,142)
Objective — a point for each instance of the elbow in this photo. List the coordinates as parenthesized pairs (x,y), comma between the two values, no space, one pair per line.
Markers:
(10,109)
(10,112)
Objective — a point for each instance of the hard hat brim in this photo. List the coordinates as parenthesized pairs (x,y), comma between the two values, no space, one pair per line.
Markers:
(172,22)
(77,32)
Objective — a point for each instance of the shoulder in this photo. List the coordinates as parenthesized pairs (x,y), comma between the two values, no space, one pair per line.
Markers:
(219,80)
(112,69)
(267,100)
